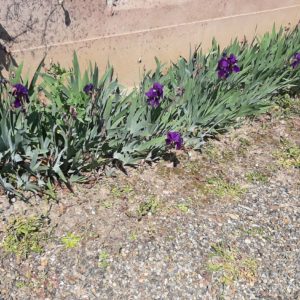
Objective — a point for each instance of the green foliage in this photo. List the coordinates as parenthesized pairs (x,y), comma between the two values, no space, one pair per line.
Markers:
(288,155)
(231,264)
(103,260)
(63,133)
(70,240)
(149,206)
(222,188)
(183,207)
(288,105)
(257,176)
(24,236)
(133,236)
(119,192)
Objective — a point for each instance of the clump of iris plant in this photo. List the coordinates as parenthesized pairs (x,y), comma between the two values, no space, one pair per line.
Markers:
(295,60)
(88,89)
(20,92)
(227,65)
(174,139)
(155,94)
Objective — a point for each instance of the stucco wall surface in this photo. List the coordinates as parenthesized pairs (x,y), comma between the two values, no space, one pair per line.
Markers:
(129,33)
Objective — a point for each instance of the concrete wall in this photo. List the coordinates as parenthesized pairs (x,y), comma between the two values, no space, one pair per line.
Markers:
(129,33)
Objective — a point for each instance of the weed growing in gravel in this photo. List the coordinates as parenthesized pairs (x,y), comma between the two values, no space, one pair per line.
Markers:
(20,284)
(70,240)
(217,155)
(147,207)
(212,152)
(231,264)
(223,188)
(244,142)
(120,192)
(257,176)
(103,260)
(24,236)
(288,155)
(288,105)
(183,207)
(255,232)
(228,155)
(133,236)
(243,147)
(107,204)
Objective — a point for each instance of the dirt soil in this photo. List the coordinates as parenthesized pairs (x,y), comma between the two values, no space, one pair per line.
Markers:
(221,224)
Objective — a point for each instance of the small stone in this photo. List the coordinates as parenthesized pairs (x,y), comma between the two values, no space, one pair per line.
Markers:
(234,216)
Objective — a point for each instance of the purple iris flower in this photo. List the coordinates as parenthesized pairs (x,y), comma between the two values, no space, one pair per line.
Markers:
(88,88)
(174,138)
(155,94)
(296,60)
(227,65)
(20,92)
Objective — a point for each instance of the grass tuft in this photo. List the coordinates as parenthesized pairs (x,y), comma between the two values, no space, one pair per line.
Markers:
(257,176)
(231,264)
(223,188)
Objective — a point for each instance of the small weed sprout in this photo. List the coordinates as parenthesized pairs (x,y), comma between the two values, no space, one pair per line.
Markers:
(243,146)
(244,142)
(107,204)
(103,260)
(70,240)
(133,236)
(183,207)
(147,207)
(120,192)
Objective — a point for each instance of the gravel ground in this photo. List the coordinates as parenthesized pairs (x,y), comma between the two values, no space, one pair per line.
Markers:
(223,224)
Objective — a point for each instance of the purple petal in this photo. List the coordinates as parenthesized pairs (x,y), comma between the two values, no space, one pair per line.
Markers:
(232,59)
(174,137)
(150,93)
(159,89)
(20,92)
(223,74)
(297,56)
(157,86)
(88,88)
(295,64)
(236,69)
(17,103)
(223,63)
